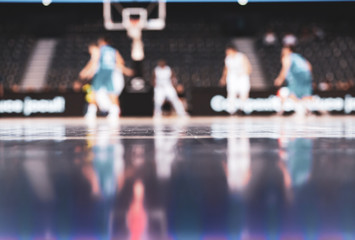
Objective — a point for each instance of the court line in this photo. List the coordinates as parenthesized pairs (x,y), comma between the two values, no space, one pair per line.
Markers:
(220,136)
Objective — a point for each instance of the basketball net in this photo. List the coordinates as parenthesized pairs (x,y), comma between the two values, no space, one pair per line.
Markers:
(134,31)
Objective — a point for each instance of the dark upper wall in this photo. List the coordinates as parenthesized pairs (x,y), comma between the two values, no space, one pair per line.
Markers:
(233,18)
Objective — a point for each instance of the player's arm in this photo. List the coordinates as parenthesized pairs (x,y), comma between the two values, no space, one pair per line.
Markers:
(222,81)
(94,64)
(89,70)
(83,72)
(309,66)
(120,65)
(127,71)
(286,64)
(153,79)
(174,78)
(1,90)
(119,59)
(247,65)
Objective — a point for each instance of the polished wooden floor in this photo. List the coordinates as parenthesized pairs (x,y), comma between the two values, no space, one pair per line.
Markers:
(171,178)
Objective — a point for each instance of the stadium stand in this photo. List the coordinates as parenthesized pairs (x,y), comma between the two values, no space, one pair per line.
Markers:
(193,46)
(15,50)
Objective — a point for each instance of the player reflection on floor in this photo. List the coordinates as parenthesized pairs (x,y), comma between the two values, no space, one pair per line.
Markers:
(244,196)
(136,216)
(104,170)
(262,201)
(120,172)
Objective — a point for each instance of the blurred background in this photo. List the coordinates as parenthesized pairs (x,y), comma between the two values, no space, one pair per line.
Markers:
(43,46)
(188,178)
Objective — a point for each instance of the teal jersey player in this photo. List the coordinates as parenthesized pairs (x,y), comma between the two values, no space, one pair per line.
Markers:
(107,64)
(102,69)
(299,77)
(297,72)
(107,57)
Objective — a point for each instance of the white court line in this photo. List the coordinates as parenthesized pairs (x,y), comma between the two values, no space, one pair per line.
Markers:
(38,129)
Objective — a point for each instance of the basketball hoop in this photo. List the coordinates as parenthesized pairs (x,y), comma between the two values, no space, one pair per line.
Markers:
(134,21)
(146,22)
(134,29)
(136,16)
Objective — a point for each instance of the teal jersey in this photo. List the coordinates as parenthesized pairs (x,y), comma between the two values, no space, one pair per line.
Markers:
(107,57)
(298,64)
(299,77)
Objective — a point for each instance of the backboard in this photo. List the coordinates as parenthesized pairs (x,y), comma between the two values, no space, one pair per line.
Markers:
(143,14)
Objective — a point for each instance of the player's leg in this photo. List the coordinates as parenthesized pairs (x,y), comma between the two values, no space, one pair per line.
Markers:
(114,111)
(299,107)
(92,106)
(91,111)
(159,97)
(283,93)
(300,93)
(118,84)
(175,101)
(243,97)
(96,85)
(301,88)
(244,93)
(231,100)
(307,99)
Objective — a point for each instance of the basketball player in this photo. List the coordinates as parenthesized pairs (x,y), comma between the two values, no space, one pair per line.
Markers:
(236,77)
(163,78)
(297,72)
(105,65)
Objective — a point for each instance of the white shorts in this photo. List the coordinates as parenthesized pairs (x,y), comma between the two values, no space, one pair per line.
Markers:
(118,82)
(238,85)
(103,100)
(164,92)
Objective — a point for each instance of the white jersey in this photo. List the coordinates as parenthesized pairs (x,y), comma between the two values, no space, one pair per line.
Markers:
(236,72)
(235,65)
(163,76)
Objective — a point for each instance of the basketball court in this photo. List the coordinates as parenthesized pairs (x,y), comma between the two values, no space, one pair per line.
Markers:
(260,173)
(203,178)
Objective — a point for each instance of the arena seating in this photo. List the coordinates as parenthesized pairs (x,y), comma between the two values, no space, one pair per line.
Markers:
(15,50)
(196,52)
(194,49)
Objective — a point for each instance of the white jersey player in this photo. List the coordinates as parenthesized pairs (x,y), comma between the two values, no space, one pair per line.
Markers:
(236,77)
(164,89)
